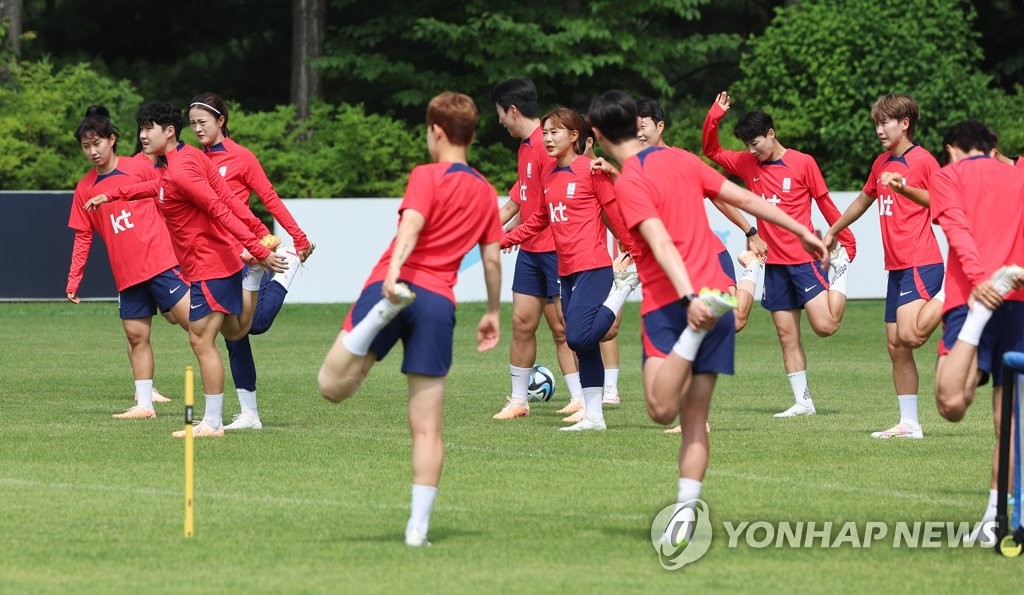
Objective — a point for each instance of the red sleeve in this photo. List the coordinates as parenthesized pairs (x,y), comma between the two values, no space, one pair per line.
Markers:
(198,190)
(928,167)
(730,160)
(419,192)
(818,189)
(238,208)
(871,184)
(949,214)
(605,192)
(711,181)
(527,229)
(79,256)
(256,179)
(634,202)
(77,219)
(147,189)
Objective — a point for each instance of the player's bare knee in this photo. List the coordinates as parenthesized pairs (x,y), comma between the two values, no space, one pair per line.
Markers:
(826,329)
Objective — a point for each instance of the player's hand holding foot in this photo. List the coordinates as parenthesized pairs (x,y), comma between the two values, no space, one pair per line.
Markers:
(488,332)
(306,252)
(275,262)
(622,262)
(758,246)
(699,316)
(94,203)
(813,246)
(987,294)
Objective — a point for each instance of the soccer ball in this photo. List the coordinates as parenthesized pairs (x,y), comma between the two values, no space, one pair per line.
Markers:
(542,384)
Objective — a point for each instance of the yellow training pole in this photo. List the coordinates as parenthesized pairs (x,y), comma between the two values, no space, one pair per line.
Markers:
(189,456)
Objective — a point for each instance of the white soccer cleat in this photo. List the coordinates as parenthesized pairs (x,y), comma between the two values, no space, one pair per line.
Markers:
(1003,278)
(624,278)
(839,261)
(611,396)
(901,430)
(797,410)
(246,420)
(981,536)
(414,538)
(584,426)
(718,302)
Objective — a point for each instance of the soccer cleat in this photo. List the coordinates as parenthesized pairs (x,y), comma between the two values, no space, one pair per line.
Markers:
(391,309)
(271,241)
(513,409)
(901,430)
(202,430)
(414,538)
(158,397)
(718,302)
(585,426)
(573,406)
(246,420)
(980,535)
(1003,278)
(797,410)
(839,260)
(675,430)
(745,258)
(611,396)
(574,418)
(136,412)
(624,278)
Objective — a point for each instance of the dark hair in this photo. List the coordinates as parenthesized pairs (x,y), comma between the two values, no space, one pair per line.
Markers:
(521,93)
(649,108)
(969,135)
(897,106)
(585,132)
(752,125)
(162,114)
(97,121)
(614,114)
(456,114)
(138,140)
(213,105)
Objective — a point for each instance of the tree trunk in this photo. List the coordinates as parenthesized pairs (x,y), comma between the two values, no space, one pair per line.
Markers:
(307,45)
(10,12)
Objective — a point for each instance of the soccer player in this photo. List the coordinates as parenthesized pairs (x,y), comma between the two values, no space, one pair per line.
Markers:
(448,209)
(146,273)
(913,302)
(206,236)
(793,281)
(208,117)
(575,199)
(979,203)
(661,195)
(535,281)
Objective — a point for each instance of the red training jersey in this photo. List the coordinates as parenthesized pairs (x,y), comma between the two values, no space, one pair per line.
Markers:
(789,183)
(244,175)
(138,245)
(533,161)
(907,236)
(460,212)
(979,202)
(670,184)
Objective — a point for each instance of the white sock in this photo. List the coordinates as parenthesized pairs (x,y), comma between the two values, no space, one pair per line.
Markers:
(358,340)
(246,399)
(572,383)
(285,278)
(908,408)
(751,272)
(617,297)
(974,324)
(214,414)
(839,280)
(592,396)
(520,382)
(422,503)
(990,509)
(611,378)
(798,382)
(144,393)
(688,344)
(253,276)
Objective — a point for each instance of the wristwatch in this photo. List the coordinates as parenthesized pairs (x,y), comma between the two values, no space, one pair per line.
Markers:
(751,232)
(686,299)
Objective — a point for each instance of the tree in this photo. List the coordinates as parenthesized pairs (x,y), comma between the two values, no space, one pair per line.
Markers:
(307,46)
(10,14)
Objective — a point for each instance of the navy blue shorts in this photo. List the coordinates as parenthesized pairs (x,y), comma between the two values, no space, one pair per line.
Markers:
(161,292)
(661,330)
(425,328)
(536,274)
(789,287)
(1004,332)
(908,285)
(727,267)
(216,295)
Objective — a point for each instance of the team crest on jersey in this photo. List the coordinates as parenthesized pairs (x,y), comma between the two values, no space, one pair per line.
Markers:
(223,171)
(786,184)
(529,170)
(570,190)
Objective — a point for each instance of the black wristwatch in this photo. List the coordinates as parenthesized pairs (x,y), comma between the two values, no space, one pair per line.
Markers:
(686,299)
(751,232)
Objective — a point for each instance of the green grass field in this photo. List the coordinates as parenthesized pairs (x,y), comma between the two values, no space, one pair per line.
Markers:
(317,501)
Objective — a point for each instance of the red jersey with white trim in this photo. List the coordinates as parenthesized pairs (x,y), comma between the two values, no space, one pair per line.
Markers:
(670,184)
(533,161)
(244,175)
(573,200)
(907,236)
(205,233)
(460,212)
(979,202)
(138,245)
(789,183)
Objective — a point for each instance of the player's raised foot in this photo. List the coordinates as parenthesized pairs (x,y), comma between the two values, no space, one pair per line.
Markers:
(797,410)
(573,406)
(513,408)
(414,538)
(201,430)
(391,309)
(574,418)
(1003,278)
(271,241)
(585,425)
(839,261)
(611,396)
(746,257)
(904,429)
(158,397)
(718,302)
(246,420)
(136,412)
(624,278)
